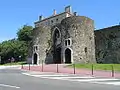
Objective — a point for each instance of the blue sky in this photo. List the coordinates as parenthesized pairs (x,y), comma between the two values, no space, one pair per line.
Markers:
(16,13)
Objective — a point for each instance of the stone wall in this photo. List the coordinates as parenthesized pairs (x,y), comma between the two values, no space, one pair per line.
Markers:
(107,42)
(80,30)
(87,45)
(42,38)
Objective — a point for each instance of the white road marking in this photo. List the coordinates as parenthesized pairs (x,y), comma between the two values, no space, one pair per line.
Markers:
(79,79)
(100,79)
(50,75)
(74,77)
(110,83)
(44,75)
(5,85)
(59,76)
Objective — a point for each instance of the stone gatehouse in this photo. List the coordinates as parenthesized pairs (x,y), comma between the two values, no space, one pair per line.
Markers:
(69,38)
(63,38)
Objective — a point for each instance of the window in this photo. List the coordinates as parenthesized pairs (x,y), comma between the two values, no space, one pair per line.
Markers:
(85,49)
(65,42)
(51,21)
(56,19)
(57,33)
(68,42)
(36,48)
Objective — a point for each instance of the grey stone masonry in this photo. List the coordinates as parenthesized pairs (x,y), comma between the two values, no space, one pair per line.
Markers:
(81,31)
(76,31)
(63,38)
(68,38)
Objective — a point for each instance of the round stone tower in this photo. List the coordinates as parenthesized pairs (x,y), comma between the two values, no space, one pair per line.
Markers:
(78,40)
(41,45)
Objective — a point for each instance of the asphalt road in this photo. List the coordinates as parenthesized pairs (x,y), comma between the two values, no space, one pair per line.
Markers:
(13,79)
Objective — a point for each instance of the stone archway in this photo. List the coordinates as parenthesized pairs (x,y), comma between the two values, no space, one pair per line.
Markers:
(67,55)
(35,57)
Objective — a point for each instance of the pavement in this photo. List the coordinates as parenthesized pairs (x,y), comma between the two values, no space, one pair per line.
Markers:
(61,68)
(13,78)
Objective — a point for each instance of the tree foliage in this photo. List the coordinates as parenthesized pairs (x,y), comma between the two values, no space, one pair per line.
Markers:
(15,48)
(25,33)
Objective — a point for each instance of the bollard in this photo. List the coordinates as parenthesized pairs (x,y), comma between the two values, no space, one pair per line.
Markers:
(22,66)
(29,66)
(112,71)
(74,68)
(57,68)
(42,65)
(92,70)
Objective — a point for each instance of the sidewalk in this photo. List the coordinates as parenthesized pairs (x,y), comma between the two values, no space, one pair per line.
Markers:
(61,68)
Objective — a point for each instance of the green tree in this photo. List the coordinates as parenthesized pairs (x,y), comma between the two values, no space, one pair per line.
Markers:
(25,33)
(17,47)
(13,48)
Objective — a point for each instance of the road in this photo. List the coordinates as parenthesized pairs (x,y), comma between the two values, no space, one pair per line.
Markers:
(15,79)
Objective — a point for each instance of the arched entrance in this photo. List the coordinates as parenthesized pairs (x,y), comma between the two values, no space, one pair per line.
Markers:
(57,55)
(67,55)
(56,46)
(35,58)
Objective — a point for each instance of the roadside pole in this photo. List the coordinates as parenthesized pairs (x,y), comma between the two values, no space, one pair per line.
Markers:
(42,65)
(92,70)
(0,59)
(112,71)
(57,68)
(22,66)
(74,68)
(29,66)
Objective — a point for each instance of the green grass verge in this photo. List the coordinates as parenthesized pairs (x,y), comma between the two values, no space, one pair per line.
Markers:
(13,63)
(106,67)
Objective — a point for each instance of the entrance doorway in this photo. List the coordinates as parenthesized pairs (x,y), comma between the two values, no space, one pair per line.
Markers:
(57,55)
(35,58)
(67,55)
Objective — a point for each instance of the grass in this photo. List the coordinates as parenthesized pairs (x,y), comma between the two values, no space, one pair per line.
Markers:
(106,67)
(13,63)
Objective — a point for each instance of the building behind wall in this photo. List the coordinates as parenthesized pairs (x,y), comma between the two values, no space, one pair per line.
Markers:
(63,38)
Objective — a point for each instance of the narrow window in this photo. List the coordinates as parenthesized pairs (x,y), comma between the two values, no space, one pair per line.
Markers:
(68,42)
(65,42)
(85,49)
(51,21)
(56,19)
(36,48)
